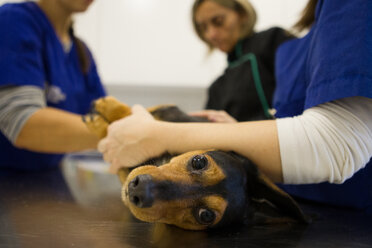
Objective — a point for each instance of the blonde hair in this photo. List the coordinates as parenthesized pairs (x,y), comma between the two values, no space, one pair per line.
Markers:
(242,7)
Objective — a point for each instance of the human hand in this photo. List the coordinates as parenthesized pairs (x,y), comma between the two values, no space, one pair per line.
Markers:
(130,140)
(214,116)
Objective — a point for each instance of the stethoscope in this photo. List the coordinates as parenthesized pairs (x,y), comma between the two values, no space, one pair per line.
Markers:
(242,58)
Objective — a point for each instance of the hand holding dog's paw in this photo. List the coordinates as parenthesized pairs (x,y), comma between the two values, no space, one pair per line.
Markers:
(128,141)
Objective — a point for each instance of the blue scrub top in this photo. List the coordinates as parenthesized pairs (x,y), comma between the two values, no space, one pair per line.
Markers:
(32,54)
(333,61)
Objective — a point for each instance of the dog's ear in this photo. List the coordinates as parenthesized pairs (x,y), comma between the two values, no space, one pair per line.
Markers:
(271,204)
(267,202)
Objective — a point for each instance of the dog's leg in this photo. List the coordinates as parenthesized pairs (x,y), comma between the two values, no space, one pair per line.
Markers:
(265,189)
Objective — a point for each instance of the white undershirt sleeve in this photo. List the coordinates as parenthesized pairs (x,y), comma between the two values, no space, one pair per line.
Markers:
(327,143)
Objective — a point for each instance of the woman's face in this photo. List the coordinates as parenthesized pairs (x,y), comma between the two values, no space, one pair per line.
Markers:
(219,26)
(75,6)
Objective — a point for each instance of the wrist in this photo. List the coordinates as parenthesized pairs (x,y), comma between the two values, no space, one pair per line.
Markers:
(162,134)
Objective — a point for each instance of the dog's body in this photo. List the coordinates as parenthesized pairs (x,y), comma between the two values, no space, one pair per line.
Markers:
(199,189)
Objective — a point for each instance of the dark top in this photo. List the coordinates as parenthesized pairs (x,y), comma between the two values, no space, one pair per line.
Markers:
(235,91)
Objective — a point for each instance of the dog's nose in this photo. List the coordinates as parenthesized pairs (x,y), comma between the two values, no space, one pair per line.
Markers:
(139,191)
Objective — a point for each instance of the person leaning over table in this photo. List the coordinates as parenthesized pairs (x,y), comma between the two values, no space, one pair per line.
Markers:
(228,25)
(48,79)
(320,144)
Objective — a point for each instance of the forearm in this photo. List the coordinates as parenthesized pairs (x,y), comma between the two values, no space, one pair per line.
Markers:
(257,141)
(139,137)
(55,131)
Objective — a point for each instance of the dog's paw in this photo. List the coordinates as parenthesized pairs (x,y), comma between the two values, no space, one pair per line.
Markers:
(110,109)
(96,124)
(104,111)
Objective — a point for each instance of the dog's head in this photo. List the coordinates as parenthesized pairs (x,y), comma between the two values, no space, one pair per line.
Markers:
(204,189)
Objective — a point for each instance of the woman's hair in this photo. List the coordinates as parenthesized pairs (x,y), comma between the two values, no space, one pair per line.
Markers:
(308,16)
(242,7)
(83,55)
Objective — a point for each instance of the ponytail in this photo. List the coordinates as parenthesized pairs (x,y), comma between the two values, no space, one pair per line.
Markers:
(84,59)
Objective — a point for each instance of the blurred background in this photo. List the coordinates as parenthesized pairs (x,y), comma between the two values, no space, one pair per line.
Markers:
(147,52)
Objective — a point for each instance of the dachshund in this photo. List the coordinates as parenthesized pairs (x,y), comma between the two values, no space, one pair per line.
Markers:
(196,190)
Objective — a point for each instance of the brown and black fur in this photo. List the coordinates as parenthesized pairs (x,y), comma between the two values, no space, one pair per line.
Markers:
(196,190)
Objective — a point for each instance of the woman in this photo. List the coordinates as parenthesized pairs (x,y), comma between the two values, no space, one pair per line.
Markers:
(246,87)
(48,79)
(321,141)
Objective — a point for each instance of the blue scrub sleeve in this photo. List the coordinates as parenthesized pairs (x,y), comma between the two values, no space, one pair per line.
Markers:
(340,55)
(20,49)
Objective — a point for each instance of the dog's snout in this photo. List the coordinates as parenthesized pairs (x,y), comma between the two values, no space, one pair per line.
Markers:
(140,191)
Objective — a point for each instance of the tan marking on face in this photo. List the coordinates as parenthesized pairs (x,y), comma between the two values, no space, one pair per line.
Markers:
(179,212)
(123,175)
(177,171)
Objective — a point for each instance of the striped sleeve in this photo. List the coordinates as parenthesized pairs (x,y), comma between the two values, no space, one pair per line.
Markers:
(17,104)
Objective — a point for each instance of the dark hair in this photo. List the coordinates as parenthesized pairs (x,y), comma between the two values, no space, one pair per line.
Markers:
(308,16)
(84,59)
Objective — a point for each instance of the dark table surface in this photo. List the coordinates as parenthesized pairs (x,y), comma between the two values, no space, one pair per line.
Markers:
(79,205)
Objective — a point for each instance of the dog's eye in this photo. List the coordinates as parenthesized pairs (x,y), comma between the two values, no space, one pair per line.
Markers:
(199,162)
(205,216)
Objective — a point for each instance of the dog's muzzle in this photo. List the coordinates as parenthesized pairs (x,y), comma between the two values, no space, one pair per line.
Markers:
(140,191)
